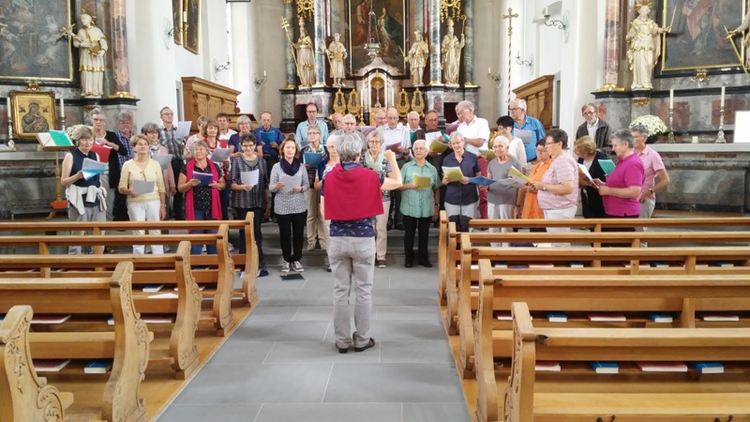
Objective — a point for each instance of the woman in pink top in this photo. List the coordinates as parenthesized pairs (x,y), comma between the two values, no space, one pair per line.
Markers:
(623,187)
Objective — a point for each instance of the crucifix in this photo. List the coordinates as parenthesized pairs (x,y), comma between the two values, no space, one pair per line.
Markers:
(510,17)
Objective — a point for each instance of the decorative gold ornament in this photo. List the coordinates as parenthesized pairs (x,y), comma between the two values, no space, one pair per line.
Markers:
(701,76)
(339,102)
(417,102)
(353,106)
(402,105)
(305,9)
(638,102)
(449,9)
(610,88)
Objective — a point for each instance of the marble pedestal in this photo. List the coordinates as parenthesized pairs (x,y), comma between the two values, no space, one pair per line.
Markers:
(27,182)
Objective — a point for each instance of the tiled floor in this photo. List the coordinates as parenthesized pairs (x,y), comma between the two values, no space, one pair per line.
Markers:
(281,364)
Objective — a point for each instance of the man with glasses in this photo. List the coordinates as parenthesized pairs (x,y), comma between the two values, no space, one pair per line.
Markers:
(312,119)
(476,133)
(596,128)
(270,137)
(395,134)
(524,122)
(168,138)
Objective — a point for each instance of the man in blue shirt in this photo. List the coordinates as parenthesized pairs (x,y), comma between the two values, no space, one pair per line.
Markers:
(269,138)
(312,119)
(522,121)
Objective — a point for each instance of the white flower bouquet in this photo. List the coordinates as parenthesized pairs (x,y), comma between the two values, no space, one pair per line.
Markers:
(653,124)
(70,130)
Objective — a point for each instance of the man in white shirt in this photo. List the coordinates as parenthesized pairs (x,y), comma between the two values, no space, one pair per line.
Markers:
(395,134)
(596,128)
(476,133)
(380,119)
(505,126)
(224,132)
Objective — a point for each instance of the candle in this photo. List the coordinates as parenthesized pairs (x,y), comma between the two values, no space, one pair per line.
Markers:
(62,107)
(722,95)
(264,73)
(489,71)
(7,106)
(671,98)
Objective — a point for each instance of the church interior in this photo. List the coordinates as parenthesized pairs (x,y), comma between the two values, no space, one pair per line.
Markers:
(532,332)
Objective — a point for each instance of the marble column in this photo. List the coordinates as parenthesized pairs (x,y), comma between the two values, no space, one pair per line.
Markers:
(119,46)
(434,32)
(612,40)
(320,42)
(468,52)
(289,16)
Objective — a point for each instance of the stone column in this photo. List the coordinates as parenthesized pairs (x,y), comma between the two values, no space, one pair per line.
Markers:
(434,32)
(246,62)
(119,46)
(468,52)
(612,39)
(289,15)
(320,42)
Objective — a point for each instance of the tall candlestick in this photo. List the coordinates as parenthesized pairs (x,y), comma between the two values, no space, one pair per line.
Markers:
(7,106)
(722,95)
(671,98)
(62,107)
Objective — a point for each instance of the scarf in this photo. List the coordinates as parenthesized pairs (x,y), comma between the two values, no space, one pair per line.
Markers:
(215,201)
(374,164)
(289,168)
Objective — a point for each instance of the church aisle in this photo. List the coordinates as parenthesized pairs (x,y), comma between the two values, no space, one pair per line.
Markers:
(281,363)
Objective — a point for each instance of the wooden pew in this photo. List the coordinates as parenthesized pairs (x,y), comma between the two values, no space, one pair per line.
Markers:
(23,395)
(127,344)
(249,261)
(183,352)
(223,275)
(632,256)
(523,403)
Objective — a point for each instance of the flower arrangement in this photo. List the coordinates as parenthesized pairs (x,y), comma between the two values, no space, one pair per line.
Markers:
(70,130)
(653,124)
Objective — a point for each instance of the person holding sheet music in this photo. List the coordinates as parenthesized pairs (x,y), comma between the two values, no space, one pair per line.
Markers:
(244,125)
(289,181)
(374,160)
(461,197)
(622,189)
(315,230)
(201,181)
(270,138)
(516,147)
(210,134)
(250,197)
(419,203)
(501,198)
(151,130)
(591,200)
(395,137)
(558,193)
(531,209)
(174,144)
(85,196)
(138,174)
(105,139)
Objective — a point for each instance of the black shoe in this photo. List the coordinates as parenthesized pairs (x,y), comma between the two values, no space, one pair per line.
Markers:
(409,263)
(342,350)
(370,344)
(425,263)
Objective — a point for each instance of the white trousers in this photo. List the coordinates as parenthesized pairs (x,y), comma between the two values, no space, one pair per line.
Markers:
(145,211)
(315,228)
(500,212)
(381,232)
(647,210)
(561,214)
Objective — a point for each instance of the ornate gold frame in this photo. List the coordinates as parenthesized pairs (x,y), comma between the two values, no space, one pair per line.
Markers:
(19,104)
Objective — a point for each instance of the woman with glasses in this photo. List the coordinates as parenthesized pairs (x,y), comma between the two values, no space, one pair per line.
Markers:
(591,200)
(244,125)
(501,199)
(622,189)
(529,193)
(558,189)
(151,130)
(461,197)
(373,159)
(144,204)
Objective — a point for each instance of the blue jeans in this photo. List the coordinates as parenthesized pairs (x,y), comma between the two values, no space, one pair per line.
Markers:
(195,249)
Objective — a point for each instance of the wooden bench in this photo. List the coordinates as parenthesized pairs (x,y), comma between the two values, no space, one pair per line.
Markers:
(186,307)
(127,344)
(688,258)
(688,401)
(222,275)
(23,395)
(248,262)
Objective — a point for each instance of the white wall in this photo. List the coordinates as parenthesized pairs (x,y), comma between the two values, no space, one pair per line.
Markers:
(488,48)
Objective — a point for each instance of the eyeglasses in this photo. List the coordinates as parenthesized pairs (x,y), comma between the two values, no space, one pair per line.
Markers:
(589,113)
(97,120)
(514,109)
(550,143)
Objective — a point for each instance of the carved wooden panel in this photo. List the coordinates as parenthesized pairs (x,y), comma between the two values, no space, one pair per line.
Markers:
(538,95)
(202,97)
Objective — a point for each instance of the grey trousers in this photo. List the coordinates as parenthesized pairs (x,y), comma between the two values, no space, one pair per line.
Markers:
(352,262)
(89,214)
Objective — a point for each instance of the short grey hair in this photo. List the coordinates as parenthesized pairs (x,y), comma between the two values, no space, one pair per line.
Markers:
(95,111)
(457,136)
(501,139)
(198,144)
(349,147)
(379,112)
(412,114)
(82,131)
(244,119)
(124,116)
(332,138)
(149,127)
(419,141)
(467,104)
(313,128)
(521,103)
(623,135)
(348,118)
(640,128)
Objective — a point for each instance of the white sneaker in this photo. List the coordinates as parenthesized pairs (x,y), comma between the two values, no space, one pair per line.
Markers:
(285,268)
(297,267)
(231,248)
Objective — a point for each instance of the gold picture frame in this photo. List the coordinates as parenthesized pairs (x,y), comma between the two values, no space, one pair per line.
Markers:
(192,26)
(33,112)
(178,16)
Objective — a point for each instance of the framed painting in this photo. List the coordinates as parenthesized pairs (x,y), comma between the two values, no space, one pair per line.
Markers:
(177,18)
(698,37)
(192,26)
(388,24)
(31,48)
(33,112)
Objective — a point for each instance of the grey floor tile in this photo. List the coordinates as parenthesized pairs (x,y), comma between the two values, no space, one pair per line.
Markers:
(403,313)
(415,351)
(275,282)
(403,331)
(436,412)
(314,313)
(281,330)
(415,281)
(210,412)
(394,297)
(325,281)
(257,384)
(393,382)
(308,297)
(316,352)
(240,351)
(272,313)
(327,412)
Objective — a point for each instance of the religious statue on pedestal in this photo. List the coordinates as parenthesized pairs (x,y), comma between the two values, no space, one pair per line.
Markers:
(644,47)
(418,58)
(305,57)
(451,54)
(93,45)
(337,54)
(746,39)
